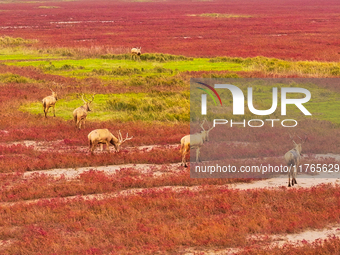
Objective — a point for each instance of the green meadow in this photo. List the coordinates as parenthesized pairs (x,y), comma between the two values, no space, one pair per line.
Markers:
(154,70)
(163,107)
(117,69)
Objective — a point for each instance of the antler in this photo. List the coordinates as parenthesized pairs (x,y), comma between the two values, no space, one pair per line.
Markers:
(92,98)
(201,125)
(291,138)
(82,98)
(90,101)
(210,128)
(302,141)
(120,138)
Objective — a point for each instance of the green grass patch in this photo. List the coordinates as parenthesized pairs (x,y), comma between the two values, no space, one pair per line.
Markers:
(118,69)
(7,41)
(278,66)
(13,78)
(23,54)
(157,106)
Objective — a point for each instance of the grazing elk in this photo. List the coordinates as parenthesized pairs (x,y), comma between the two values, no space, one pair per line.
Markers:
(80,114)
(194,141)
(292,159)
(50,101)
(136,52)
(104,136)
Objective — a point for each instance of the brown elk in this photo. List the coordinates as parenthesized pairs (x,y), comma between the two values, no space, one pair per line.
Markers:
(292,159)
(136,52)
(80,114)
(104,136)
(50,101)
(194,141)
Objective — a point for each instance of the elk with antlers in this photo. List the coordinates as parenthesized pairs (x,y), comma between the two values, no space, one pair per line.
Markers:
(194,141)
(104,136)
(80,114)
(292,159)
(50,101)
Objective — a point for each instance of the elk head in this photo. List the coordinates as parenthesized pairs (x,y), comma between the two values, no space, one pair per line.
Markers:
(54,94)
(298,146)
(120,141)
(87,104)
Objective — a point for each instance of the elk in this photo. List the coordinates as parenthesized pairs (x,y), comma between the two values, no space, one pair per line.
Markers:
(292,159)
(136,52)
(50,101)
(104,136)
(79,114)
(194,141)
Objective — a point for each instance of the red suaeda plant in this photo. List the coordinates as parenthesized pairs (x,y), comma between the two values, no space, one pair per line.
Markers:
(14,188)
(331,245)
(277,32)
(164,220)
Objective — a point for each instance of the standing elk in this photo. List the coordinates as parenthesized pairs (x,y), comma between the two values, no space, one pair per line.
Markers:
(50,101)
(292,159)
(194,141)
(104,136)
(136,52)
(80,114)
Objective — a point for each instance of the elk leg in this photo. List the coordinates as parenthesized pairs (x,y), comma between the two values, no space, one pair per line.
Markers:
(184,163)
(75,121)
(295,173)
(45,111)
(289,173)
(92,146)
(78,124)
(198,155)
(107,147)
(53,111)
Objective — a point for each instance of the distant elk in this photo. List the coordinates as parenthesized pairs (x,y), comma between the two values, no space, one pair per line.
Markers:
(136,52)
(80,114)
(50,101)
(292,159)
(104,136)
(194,141)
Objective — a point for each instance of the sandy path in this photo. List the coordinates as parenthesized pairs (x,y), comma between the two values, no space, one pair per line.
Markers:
(71,173)
(60,146)
(278,240)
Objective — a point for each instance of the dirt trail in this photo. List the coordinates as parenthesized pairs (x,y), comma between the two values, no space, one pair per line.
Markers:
(261,184)
(60,146)
(278,240)
(71,173)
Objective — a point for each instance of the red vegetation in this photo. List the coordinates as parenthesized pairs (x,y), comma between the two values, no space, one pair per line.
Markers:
(300,29)
(14,188)
(166,221)
(330,245)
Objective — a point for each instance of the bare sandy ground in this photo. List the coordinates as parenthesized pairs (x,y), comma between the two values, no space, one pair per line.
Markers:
(60,146)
